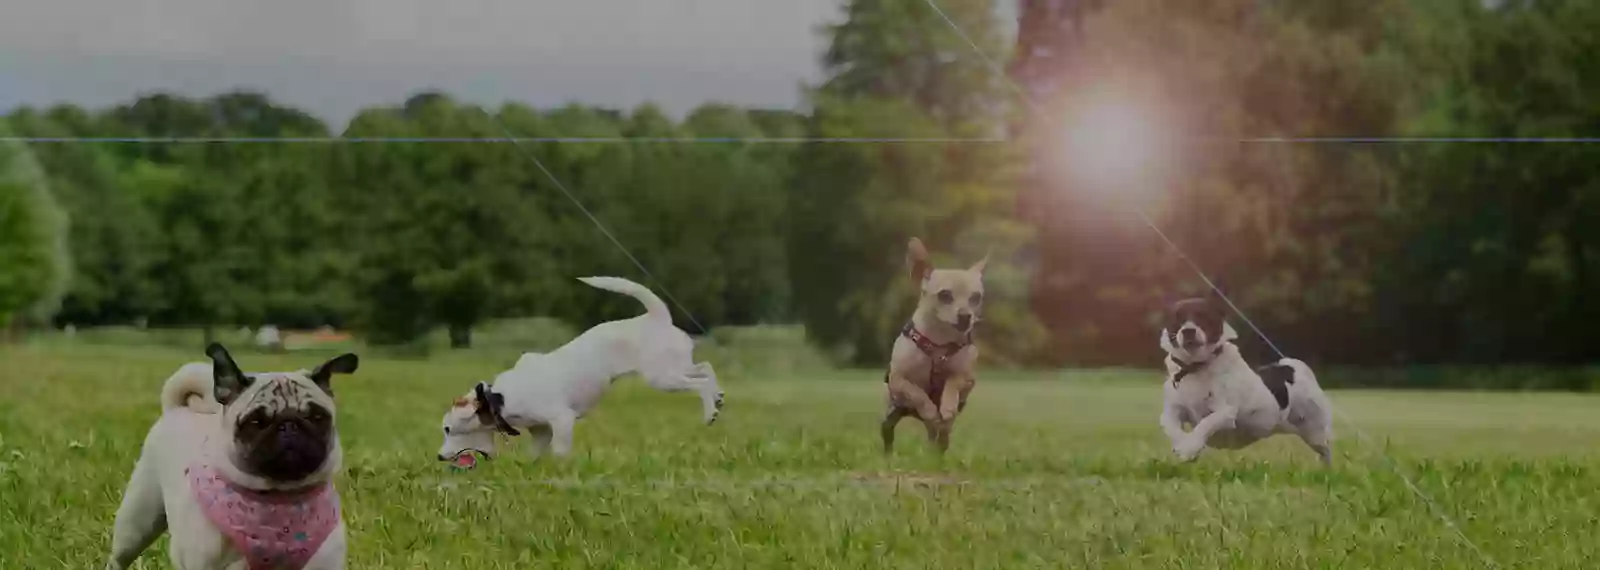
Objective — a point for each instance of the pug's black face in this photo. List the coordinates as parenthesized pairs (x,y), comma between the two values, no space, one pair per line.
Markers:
(282,422)
(287,444)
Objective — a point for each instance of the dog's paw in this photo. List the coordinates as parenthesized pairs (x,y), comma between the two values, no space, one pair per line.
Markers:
(715,411)
(1189,449)
(947,414)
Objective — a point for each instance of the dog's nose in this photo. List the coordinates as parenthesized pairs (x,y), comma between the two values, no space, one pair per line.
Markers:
(443,458)
(1187,334)
(964,321)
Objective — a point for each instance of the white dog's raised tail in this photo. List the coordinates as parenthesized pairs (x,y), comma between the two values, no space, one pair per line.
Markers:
(192,386)
(1301,370)
(652,304)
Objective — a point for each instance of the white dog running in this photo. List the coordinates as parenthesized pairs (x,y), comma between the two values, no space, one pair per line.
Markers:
(1210,386)
(548,393)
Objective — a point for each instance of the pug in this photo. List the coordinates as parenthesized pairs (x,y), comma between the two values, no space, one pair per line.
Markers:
(1228,404)
(239,468)
(932,368)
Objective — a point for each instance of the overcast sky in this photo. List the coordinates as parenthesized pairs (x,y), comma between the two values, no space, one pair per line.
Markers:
(333,57)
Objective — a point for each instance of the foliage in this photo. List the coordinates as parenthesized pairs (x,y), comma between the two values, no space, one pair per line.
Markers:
(896,69)
(1368,255)
(35,266)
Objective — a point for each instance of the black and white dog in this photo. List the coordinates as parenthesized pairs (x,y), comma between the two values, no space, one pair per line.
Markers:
(1210,387)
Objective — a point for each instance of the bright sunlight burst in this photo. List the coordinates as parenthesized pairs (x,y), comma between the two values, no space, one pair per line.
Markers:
(1116,145)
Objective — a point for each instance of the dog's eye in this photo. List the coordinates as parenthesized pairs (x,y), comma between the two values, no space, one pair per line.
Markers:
(447,430)
(947,297)
(977,299)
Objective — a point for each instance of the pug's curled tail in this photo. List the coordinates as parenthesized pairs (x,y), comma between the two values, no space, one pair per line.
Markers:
(193,387)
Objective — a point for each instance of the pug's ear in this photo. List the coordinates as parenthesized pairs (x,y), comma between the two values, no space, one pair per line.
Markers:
(229,381)
(342,364)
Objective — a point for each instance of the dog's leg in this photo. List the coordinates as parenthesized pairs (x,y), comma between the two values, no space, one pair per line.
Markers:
(941,436)
(1319,443)
(934,427)
(891,418)
(539,438)
(1189,448)
(1172,424)
(331,555)
(710,392)
(698,377)
(141,518)
(1320,439)
(909,395)
(951,402)
(955,393)
(561,434)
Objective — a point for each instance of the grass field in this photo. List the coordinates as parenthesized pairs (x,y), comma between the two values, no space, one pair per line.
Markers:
(1047,470)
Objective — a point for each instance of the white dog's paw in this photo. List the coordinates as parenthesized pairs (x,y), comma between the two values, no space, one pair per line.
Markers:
(715,410)
(1189,449)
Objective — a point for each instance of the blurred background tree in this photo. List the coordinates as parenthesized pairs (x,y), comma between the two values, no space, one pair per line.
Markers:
(35,265)
(1345,253)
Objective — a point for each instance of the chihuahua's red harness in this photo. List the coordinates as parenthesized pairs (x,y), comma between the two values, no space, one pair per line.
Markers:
(939,370)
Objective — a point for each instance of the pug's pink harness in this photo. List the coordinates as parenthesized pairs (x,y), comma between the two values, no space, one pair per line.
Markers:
(274,531)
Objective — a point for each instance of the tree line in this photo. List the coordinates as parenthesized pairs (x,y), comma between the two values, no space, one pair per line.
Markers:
(1349,253)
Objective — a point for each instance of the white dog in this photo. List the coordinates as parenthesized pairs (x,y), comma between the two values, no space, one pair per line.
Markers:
(1230,406)
(243,484)
(547,393)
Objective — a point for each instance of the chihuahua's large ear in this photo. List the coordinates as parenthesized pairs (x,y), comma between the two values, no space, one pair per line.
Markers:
(229,380)
(917,261)
(342,364)
(978,267)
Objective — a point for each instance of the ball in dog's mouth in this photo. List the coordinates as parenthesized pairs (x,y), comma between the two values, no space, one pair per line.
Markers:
(464,460)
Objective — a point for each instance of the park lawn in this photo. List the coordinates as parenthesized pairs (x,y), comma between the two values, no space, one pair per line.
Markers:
(1047,470)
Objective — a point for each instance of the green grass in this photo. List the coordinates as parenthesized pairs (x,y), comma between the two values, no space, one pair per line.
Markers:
(1046,470)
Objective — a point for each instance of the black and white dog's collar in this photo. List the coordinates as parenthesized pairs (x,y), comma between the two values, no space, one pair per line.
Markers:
(1187,368)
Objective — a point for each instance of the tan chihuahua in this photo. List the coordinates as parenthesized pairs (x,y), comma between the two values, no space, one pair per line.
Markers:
(932,364)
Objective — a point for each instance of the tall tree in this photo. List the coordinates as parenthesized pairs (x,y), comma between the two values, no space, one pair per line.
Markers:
(1500,234)
(1282,227)
(112,255)
(896,69)
(35,267)
(447,235)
